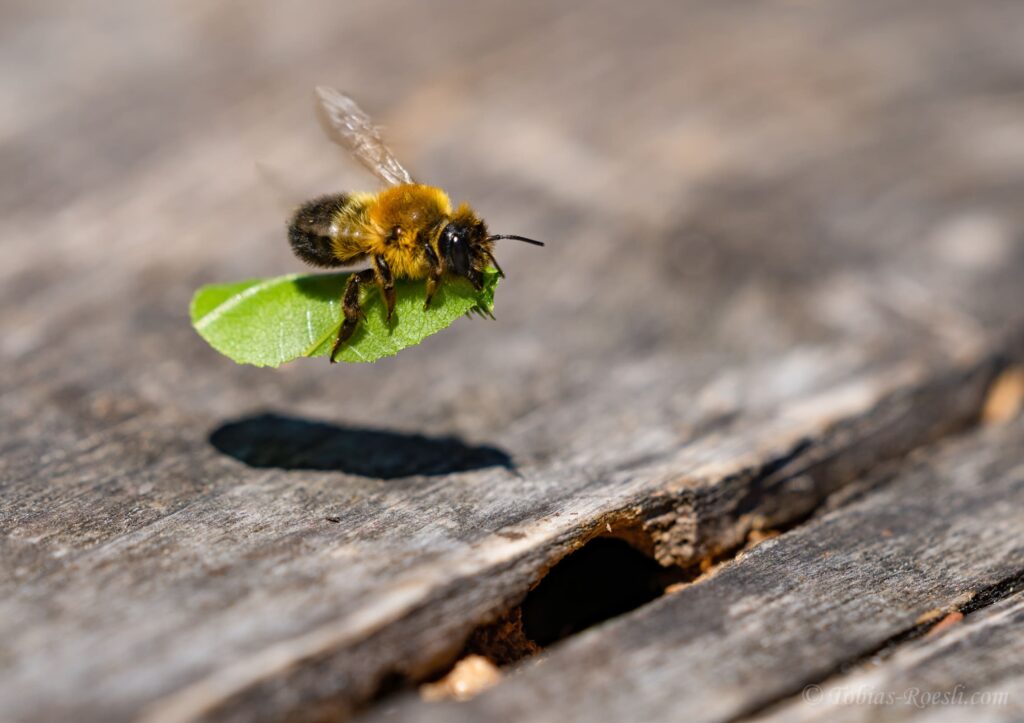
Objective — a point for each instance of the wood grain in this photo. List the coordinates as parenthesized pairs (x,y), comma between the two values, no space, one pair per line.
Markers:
(974,670)
(792,610)
(770,268)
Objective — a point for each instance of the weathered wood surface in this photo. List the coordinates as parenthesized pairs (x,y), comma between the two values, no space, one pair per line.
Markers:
(944,533)
(785,245)
(972,672)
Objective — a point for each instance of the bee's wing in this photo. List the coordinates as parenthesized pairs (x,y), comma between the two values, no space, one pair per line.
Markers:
(348,125)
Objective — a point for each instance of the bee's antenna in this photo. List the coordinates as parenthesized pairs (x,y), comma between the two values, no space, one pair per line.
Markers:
(516,238)
(501,274)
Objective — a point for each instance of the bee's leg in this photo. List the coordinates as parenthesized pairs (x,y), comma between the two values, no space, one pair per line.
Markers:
(435,274)
(350,306)
(433,281)
(386,283)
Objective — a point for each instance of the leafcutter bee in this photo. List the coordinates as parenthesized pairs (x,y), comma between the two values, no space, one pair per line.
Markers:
(408,230)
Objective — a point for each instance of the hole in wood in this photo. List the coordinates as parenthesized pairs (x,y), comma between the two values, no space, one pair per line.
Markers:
(605,578)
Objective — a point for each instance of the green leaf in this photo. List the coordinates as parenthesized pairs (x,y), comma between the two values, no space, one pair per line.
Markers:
(267,322)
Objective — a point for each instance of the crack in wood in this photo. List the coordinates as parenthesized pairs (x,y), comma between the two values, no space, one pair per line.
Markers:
(506,641)
(822,585)
(978,601)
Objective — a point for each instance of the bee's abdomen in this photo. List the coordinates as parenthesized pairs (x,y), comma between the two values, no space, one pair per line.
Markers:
(309,230)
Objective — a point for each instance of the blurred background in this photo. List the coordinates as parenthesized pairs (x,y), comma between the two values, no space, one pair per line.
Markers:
(718,179)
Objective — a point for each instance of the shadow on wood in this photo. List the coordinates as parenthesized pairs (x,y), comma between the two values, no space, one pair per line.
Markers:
(271,440)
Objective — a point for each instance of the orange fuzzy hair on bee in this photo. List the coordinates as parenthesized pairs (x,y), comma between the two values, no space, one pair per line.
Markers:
(403,219)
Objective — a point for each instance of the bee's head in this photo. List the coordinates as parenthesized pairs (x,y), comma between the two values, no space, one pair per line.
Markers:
(463,245)
(466,247)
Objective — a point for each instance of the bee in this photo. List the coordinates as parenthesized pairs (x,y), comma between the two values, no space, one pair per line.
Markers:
(406,231)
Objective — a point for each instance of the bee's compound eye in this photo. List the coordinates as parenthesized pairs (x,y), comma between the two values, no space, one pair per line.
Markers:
(455,249)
